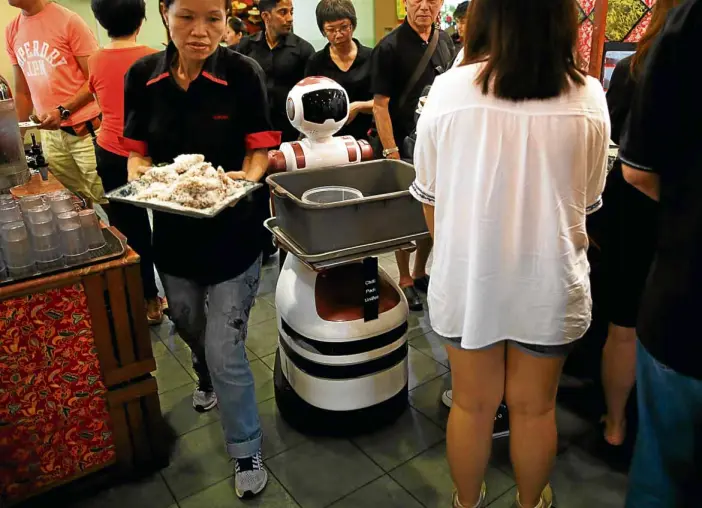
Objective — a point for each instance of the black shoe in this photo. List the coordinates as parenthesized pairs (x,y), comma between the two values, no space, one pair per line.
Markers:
(422,284)
(501,427)
(413,299)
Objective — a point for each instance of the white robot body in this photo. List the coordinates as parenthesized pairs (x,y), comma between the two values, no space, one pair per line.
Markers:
(319,107)
(337,370)
(309,154)
(334,369)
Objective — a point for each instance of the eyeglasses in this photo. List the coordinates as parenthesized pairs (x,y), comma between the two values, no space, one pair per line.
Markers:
(343,29)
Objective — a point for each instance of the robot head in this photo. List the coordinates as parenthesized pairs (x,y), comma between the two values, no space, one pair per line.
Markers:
(318,107)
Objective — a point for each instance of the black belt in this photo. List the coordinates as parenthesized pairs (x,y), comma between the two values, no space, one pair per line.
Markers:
(88,125)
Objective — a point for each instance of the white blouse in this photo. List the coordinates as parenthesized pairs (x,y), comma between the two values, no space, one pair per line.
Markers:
(511,183)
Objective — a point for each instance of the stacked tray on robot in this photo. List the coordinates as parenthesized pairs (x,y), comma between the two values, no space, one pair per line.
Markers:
(386,210)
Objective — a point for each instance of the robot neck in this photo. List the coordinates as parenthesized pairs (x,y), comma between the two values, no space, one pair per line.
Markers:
(320,140)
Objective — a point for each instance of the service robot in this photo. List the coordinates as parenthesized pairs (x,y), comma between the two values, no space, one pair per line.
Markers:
(336,371)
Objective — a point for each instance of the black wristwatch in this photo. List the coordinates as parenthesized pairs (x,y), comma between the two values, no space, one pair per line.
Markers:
(65,113)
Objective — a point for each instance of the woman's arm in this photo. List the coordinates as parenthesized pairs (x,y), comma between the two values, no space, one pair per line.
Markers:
(254,167)
(429,216)
(137,165)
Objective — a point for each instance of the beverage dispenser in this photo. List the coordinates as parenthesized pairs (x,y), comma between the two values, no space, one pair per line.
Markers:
(13,162)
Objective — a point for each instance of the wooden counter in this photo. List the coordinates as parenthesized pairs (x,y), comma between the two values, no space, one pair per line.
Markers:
(76,390)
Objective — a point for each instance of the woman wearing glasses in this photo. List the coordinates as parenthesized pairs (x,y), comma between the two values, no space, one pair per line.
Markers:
(346,61)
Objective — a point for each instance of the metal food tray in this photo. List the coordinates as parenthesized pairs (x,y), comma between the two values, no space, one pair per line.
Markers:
(114,248)
(125,194)
(341,256)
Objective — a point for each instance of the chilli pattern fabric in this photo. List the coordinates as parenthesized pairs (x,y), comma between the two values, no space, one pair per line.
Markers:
(627,20)
(54,422)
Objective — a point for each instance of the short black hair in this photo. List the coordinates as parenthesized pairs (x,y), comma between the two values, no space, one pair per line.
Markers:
(120,18)
(267,5)
(461,10)
(237,26)
(335,10)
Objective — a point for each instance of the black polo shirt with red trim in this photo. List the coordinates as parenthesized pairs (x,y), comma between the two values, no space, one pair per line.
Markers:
(223,113)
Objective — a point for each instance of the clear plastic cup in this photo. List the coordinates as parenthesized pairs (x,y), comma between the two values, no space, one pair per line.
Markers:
(68,220)
(48,255)
(43,242)
(73,242)
(3,268)
(10,212)
(6,198)
(17,249)
(91,229)
(28,202)
(61,203)
(41,215)
(331,194)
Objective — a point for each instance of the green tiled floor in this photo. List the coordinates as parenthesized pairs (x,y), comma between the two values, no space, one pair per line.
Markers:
(403,466)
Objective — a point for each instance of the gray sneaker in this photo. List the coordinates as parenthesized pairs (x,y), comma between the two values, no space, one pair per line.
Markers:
(250,477)
(204,401)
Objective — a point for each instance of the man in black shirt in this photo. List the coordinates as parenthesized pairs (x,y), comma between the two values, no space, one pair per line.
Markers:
(661,154)
(394,62)
(283,57)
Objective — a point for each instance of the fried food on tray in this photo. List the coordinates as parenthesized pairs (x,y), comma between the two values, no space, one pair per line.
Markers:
(190,182)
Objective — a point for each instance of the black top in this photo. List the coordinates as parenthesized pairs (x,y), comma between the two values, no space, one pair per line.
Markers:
(664,135)
(356,81)
(626,227)
(393,63)
(284,66)
(223,112)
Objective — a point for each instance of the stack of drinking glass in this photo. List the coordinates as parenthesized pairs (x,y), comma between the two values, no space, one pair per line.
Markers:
(45,232)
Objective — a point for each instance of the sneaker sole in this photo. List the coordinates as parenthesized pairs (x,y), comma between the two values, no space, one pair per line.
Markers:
(249,494)
(205,409)
(446,401)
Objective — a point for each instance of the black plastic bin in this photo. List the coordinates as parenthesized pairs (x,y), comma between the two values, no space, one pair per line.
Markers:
(387,210)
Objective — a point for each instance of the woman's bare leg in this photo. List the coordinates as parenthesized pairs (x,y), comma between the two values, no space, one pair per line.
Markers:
(530,393)
(618,377)
(478,379)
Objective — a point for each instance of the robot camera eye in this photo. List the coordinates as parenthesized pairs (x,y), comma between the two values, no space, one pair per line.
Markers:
(327,104)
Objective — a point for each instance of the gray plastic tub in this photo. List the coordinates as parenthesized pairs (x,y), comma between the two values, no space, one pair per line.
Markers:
(385,212)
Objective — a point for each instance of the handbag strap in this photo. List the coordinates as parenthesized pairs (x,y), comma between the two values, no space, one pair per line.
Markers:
(421,67)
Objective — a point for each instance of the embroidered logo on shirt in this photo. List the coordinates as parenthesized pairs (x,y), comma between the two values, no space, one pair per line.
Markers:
(33,57)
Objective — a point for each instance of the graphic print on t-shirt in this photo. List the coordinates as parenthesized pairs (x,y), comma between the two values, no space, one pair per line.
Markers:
(34,57)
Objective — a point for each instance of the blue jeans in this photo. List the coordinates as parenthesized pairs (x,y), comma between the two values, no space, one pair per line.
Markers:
(666,471)
(213,321)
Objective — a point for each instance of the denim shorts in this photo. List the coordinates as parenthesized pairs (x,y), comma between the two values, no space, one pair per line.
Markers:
(560,351)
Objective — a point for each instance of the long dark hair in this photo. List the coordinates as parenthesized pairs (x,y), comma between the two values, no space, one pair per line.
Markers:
(528,47)
(658,18)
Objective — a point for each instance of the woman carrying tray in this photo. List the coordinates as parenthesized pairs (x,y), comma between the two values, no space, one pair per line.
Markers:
(199,98)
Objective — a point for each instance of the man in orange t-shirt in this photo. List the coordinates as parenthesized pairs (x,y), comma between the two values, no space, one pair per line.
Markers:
(49,46)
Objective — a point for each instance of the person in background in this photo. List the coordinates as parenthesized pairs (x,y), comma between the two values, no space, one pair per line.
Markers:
(283,57)
(394,61)
(5,90)
(510,288)
(197,97)
(122,20)
(629,242)
(49,46)
(459,15)
(236,29)
(346,61)
(661,157)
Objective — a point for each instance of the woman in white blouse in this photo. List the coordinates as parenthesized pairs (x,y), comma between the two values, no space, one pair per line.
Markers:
(511,155)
